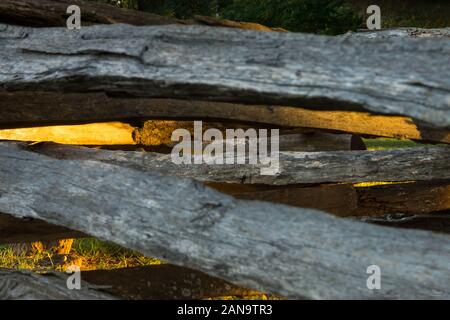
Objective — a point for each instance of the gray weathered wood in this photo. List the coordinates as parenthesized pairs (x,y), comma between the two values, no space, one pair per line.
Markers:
(400,33)
(346,200)
(409,164)
(267,247)
(26,285)
(397,76)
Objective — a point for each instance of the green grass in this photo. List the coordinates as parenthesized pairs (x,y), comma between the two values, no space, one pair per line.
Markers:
(10,260)
(106,255)
(390,143)
(88,253)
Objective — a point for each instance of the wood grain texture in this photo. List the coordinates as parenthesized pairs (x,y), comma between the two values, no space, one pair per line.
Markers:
(409,164)
(26,230)
(26,285)
(267,247)
(398,76)
(346,200)
(104,133)
(419,200)
(400,33)
(52,13)
(158,132)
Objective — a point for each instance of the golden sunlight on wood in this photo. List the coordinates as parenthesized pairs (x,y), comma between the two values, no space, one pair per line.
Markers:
(108,133)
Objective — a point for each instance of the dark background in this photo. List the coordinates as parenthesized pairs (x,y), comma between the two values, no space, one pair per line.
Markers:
(316,16)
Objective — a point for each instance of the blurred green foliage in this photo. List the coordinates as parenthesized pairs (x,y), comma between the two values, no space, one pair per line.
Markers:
(316,16)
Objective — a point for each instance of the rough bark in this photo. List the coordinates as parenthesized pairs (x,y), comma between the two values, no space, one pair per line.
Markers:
(417,199)
(346,200)
(397,76)
(157,132)
(409,164)
(26,285)
(14,230)
(187,224)
(44,108)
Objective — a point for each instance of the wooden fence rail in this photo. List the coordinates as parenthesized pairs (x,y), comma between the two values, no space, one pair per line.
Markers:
(292,252)
(52,108)
(230,65)
(377,84)
(409,164)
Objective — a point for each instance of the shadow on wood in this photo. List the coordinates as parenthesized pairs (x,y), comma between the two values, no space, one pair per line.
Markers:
(317,256)
(27,285)
(27,230)
(163,281)
(262,67)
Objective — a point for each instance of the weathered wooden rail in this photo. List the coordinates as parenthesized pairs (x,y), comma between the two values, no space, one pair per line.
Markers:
(217,234)
(163,281)
(376,84)
(71,108)
(409,164)
(401,32)
(27,285)
(52,13)
(214,64)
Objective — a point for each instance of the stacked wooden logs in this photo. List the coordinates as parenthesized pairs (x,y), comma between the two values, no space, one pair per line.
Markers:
(309,231)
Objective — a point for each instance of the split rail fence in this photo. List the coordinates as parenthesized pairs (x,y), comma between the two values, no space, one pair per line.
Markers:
(308,232)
